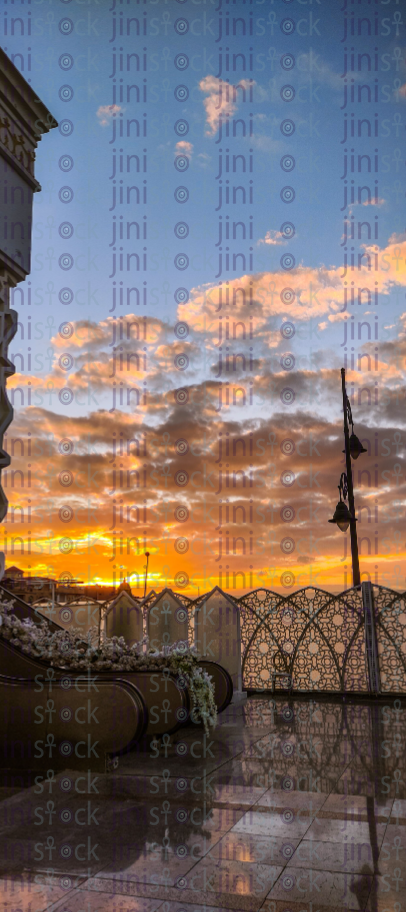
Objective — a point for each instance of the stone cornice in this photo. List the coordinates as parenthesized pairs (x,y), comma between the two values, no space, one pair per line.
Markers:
(23,103)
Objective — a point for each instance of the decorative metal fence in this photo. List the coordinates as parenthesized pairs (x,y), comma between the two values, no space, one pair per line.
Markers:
(390,621)
(320,640)
(351,642)
(312,635)
(354,641)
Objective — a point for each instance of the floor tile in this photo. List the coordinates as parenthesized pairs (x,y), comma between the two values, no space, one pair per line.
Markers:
(197,845)
(185,896)
(334,856)
(87,901)
(393,850)
(328,888)
(398,812)
(235,795)
(279,799)
(266,823)
(304,905)
(196,907)
(251,773)
(271,813)
(388,891)
(23,894)
(250,881)
(353,805)
(353,783)
(324,830)
(247,847)
(150,866)
(357,807)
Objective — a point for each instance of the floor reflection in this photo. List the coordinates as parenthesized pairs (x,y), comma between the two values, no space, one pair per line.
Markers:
(289,802)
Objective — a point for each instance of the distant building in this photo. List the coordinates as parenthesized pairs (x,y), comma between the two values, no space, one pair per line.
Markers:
(13,573)
(34,588)
(124,587)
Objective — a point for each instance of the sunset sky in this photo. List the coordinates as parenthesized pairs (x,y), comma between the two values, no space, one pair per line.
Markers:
(224,460)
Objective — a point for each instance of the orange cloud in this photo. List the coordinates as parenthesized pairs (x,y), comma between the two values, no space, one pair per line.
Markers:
(304,293)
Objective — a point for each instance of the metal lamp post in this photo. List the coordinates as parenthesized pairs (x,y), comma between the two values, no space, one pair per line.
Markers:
(345,516)
(342,515)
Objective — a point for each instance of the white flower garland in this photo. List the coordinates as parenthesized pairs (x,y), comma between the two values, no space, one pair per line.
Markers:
(76,650)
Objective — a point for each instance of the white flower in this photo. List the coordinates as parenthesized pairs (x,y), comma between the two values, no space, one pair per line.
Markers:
(74,649)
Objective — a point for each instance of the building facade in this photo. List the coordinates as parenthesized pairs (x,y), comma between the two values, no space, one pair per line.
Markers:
(23,121)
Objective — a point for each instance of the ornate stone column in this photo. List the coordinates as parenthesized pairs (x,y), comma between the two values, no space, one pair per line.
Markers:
(23,120)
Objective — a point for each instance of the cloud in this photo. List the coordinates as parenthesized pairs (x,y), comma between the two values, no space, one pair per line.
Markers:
(307,293)
(334,318)
(106,112)
(134,349)
(338,317)
(184,436)
(266,144)
(371,202)
(203,159)
(258,298)
(184,148)
(322,72)
(397,238)
(156,452)
(150,457)
(272,238)
(222,99)
(391,262)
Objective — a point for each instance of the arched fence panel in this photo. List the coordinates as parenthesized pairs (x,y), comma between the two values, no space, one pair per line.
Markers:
(313,635)
(390,620)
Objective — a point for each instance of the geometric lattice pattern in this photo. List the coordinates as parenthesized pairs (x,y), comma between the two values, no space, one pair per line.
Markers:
(390,614)
(315,636)
(318,638)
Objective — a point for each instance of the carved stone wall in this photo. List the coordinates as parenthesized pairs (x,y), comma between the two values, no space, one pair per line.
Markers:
(8,326)
(23,119)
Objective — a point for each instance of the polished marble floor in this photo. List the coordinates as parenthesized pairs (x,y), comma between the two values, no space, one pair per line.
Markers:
(292,805)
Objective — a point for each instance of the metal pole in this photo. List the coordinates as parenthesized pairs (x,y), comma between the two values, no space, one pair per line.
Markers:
(371,644)
(356,577)
(146,573)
